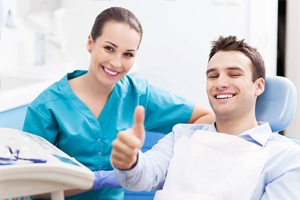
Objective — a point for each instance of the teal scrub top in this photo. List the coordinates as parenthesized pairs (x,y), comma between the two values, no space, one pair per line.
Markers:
(59,116)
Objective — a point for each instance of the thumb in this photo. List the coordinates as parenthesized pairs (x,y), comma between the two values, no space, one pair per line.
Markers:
(138,127)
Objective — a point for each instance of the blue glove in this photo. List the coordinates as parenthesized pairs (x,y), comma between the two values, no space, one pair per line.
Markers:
(105,179)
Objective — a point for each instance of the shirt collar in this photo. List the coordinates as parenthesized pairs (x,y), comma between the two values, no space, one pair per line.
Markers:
(259,134)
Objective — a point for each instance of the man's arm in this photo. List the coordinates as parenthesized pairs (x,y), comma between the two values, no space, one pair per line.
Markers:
(139,171)
(285,186)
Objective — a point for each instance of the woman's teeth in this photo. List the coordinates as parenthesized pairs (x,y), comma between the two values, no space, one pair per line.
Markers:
(110,72)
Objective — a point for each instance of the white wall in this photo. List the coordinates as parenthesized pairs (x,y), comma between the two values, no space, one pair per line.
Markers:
(177,36)
(292,57)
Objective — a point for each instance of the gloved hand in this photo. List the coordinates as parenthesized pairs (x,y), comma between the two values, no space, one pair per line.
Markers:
(105,179)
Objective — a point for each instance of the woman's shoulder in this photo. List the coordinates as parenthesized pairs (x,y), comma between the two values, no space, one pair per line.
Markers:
(55,91)
(131,84)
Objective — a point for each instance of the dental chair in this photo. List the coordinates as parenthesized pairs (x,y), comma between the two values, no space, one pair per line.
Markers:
(277,105)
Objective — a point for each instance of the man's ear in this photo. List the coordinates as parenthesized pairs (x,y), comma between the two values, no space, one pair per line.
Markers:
(260,86)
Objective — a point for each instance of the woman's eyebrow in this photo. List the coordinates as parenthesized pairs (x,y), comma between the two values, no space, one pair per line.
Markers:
(116,46)
(112,44)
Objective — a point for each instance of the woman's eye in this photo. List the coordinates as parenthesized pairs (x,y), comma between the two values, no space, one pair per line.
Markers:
(108,48)
(129,55)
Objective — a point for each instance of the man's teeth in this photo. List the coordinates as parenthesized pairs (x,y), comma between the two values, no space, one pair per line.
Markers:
(110,72)
(224,96)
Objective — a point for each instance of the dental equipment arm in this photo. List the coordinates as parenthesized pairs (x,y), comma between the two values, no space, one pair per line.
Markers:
(102,179)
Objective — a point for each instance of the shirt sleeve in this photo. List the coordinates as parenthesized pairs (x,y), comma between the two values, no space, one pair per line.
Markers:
(150,171)
(37,124)
(152,166)
(287,185)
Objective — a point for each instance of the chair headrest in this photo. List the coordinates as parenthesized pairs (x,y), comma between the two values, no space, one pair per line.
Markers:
(277,104)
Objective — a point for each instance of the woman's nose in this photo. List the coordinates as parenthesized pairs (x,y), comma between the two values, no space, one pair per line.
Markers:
(115,61)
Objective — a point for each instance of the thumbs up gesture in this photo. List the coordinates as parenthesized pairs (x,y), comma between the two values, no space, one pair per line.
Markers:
(128,143)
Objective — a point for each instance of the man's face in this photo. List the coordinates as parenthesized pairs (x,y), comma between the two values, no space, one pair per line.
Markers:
(232,93)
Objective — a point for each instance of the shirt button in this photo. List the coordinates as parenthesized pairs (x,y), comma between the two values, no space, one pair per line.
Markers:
(98,140)
(99,153)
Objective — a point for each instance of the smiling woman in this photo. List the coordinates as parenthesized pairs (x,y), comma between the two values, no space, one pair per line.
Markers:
(89,107)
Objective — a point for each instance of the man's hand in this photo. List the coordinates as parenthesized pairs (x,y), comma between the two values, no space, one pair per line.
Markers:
(128,143)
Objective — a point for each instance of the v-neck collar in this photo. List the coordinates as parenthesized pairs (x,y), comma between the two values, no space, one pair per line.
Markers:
(81,106)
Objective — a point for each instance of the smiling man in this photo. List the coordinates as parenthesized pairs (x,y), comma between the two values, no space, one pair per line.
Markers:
(234,158)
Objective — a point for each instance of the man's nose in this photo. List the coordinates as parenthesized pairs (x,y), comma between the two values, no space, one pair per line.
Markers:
(222,82)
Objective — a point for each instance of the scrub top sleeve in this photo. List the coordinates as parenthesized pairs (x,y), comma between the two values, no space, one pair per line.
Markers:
(37,124)
(165,109)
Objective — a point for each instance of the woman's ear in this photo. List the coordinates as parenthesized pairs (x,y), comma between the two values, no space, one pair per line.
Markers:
(260,86)
(89,44)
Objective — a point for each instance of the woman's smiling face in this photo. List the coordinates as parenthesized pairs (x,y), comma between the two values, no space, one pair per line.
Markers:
(113,53)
